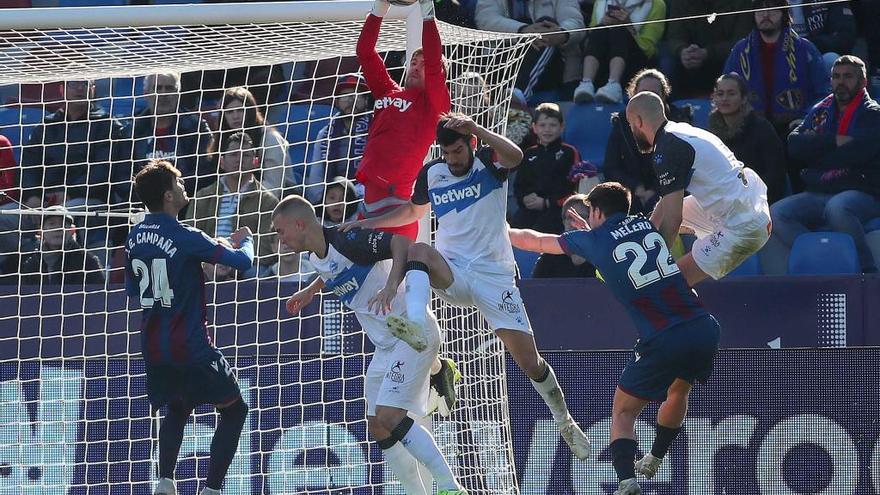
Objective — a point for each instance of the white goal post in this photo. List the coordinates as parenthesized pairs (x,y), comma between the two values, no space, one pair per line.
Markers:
(73,410)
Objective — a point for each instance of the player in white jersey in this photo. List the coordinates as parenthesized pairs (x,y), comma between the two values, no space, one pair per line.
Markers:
(473,262)
(727,207)
(364,269)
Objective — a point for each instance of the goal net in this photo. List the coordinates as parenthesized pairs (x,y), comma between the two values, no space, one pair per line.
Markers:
(83,108)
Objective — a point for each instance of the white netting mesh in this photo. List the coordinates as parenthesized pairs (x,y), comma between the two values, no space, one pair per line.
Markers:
(73,411)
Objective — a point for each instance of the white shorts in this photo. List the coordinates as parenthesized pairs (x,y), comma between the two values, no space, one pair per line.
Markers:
(398,376)
(495,295)
(719,247)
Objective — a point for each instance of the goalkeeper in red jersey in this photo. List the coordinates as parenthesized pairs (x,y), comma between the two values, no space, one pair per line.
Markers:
(404,119)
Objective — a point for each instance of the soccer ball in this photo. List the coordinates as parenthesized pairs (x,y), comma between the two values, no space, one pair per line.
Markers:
(402,3)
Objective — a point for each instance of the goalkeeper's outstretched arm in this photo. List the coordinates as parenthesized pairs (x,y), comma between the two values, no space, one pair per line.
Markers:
(375,73)
(530,240)
(435,71)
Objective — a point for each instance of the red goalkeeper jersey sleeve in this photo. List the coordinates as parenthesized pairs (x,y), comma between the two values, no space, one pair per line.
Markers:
(404,119)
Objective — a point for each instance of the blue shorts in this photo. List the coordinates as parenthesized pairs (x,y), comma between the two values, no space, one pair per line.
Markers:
(685,351)
(191,385)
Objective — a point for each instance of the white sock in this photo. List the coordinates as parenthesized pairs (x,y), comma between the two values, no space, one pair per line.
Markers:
(418,295)
(419,442)
(424,473)
(552,394)
(406,468)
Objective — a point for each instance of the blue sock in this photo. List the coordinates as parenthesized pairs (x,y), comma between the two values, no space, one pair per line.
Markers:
(225,442)
(623,456)
(170,438)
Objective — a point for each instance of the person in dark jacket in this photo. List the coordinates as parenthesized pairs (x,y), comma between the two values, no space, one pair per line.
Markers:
(696,50)
(542,182)
(164,130)
(68,158)
(624,163)
(838,142)
(749,136)
(564,265)
(831,27)
(60,260)
(785,73)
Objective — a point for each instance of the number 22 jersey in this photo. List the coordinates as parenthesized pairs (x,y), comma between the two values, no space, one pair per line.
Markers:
(634,261)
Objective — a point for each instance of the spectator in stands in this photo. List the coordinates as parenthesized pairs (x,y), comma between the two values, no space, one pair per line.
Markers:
(558,50)
(541,183)
(624,162)
(9,192)
(240,112)
(292,267)
(458,12)
(341,143)
(838,141)
(60,259)
(696,50)
(563,265)
(750,136)
(237,199)
(166,130)
(470,96)
(67,159)
(625,50)
(785,72)
(831,27)
(340,202)
(14,229)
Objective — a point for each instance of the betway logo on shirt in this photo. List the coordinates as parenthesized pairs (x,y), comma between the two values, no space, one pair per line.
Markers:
(348,282)
(345,287)
(388,102)
(463,194)
(457,194)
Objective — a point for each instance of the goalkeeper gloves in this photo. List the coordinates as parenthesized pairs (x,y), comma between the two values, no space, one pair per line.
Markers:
(380,8)
(427,9)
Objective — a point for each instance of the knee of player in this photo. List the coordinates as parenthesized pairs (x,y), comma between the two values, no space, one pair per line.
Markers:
(236,411)
(377,431)
(419,251)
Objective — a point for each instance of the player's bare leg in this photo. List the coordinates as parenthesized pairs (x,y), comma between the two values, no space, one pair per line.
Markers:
(669,420)
(624,446)
(522,348)
(689,269)
(225,443)
(401,439)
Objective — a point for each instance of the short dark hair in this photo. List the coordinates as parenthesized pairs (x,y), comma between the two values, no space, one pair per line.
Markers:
(649,74)
(549,110)
(447,137)
(610,198)
(239,137)
(854,61)
(151,183)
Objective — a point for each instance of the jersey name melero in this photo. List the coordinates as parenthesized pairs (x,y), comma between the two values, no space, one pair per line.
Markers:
(471,212)
(686,157)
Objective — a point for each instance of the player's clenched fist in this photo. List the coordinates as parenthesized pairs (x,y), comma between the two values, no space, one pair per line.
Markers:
(299,300)
(240,235)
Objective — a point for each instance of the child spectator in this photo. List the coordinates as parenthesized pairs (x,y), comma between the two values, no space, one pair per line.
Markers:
(624,49)
(340,202)
(541,183)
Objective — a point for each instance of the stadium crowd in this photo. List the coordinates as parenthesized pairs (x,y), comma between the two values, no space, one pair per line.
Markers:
(784,88)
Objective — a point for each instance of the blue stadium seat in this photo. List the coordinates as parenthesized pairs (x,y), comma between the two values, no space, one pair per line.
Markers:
(587,128)
(750,267)
(304,122)
(525,260)
(821,253)
(121,96)
(872,225)
(701,108)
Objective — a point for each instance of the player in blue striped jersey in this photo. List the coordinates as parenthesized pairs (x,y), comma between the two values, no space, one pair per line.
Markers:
(678,338)
(364,268)
(184,369)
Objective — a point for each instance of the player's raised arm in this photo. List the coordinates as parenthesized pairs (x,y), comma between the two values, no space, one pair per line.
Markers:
(509,154)
(537,242)
(375,72)
(435,71)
